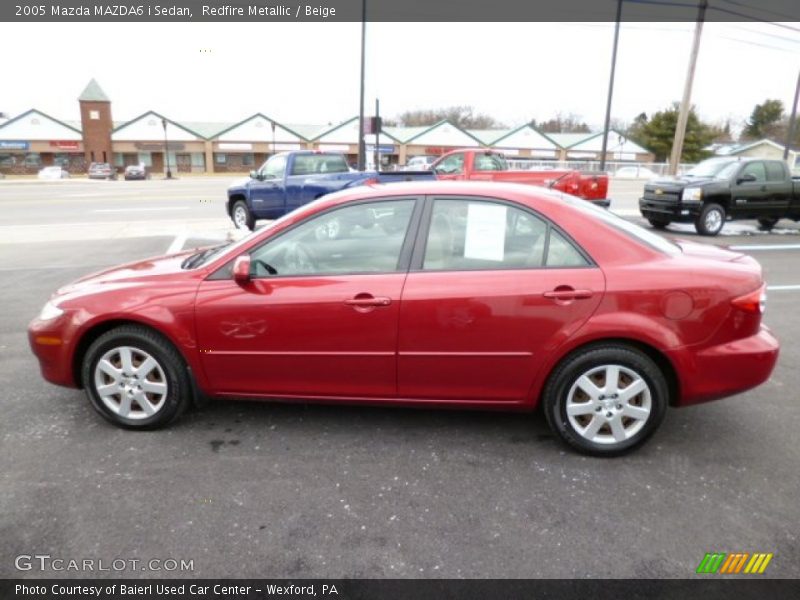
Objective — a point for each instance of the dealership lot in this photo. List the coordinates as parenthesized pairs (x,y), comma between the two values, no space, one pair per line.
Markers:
(259,489)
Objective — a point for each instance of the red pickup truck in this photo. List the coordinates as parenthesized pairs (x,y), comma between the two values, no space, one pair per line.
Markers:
(487,165)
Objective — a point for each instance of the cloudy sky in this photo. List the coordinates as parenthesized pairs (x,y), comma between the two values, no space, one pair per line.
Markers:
(309,72)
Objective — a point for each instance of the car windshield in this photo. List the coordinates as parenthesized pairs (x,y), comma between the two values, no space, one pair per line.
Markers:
(711,167)
(640,234)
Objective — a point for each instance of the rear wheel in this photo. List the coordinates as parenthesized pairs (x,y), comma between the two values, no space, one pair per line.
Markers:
(659,223)
(241,216)
(135,378)
(710,220)
(767,223)
(605,400)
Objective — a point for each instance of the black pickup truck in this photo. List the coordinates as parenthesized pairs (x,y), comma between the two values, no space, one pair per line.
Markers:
(719,189)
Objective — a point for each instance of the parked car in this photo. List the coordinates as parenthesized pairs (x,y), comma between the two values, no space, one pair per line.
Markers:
(634,172)
(479,295)
(420,163)
(102,171)
(719,189)
(136,172)
(291,179)
(53,172)
(487,165)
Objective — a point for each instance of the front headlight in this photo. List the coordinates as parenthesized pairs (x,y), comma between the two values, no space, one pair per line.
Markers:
(50,311)
(692,194)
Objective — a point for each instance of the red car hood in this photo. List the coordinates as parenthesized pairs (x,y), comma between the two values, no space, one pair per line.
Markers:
(161,267)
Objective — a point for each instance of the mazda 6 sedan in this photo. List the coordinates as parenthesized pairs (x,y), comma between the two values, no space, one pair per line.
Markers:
(433,294)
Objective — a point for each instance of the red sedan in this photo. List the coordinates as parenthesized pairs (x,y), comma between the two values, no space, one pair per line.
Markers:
(481,295)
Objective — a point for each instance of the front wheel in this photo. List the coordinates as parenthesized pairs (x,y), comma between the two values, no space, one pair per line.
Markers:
(241,216)
(135,378)
(710,220)
(606,400)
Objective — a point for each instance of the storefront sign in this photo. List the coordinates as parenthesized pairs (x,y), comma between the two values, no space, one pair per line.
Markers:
(14,145)
(334,147)
(173,147)
(230,146)
(285,146)
(382,149)
(64,145)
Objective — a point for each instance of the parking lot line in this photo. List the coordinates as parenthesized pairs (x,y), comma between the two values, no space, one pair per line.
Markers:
(766,247)
(177,244)
(782,288)
(154,208)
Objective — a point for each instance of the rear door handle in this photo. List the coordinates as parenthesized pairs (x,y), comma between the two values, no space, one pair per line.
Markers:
(569,294)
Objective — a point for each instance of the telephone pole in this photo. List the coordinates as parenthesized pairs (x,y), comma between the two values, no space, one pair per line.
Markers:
(362,154)
(610,88)
(683,115)
(792,120)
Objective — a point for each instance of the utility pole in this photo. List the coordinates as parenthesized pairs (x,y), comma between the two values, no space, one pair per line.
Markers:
(792,120)
(610,88)
(377,135)
(362,151)
(683,115)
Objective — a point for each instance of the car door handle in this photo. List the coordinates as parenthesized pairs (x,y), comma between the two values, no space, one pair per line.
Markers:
(368,301)
(565,293)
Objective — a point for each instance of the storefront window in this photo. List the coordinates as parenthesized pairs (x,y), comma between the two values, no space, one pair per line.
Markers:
(146,159)
(221,159)
(248,159)
(7,160)
(119,159)
(198,160)
(33,159)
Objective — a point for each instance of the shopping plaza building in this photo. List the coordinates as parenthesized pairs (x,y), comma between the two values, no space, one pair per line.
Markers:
(34,139)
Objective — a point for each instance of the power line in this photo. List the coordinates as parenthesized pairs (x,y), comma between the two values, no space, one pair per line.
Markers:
(714,8)
(766,10)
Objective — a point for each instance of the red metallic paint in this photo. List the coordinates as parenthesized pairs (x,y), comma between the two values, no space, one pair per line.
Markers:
(481,338)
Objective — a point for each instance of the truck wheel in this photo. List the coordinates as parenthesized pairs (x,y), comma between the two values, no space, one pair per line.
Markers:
(241,216)
(711,220)
(767,223)
(658,223)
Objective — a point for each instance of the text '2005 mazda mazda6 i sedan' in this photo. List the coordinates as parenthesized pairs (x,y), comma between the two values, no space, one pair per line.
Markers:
(459,294)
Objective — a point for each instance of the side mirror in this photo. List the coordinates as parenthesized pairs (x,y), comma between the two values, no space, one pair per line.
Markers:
(241,269)
(747,178)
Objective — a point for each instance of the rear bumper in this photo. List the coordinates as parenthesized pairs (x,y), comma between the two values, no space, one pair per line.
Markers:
(724,370)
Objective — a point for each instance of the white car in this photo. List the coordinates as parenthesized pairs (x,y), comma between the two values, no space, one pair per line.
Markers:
(420,163)
(55,172)
(634,172)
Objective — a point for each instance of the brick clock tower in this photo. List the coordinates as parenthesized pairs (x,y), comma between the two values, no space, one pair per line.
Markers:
(96,124)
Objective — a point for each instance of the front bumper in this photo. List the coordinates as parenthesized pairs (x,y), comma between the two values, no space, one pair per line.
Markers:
(51,343)
(724,370)
(667,210)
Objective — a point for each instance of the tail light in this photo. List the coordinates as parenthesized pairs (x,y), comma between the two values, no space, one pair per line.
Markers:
(755,302)
(371,181)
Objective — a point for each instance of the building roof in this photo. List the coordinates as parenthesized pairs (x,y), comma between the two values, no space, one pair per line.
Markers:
(93,93)
(16,128)
(732,148)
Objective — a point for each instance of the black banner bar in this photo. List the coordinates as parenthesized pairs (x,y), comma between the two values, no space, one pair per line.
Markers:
(705,587)
(392,10)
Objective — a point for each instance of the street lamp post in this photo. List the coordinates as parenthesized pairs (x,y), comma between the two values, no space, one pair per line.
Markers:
(166,148)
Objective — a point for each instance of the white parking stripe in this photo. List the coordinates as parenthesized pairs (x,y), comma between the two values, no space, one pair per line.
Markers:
(766,247)
(177,244)
(782,288)
(114,210)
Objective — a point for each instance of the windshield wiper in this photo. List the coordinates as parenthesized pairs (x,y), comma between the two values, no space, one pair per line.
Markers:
(200,257)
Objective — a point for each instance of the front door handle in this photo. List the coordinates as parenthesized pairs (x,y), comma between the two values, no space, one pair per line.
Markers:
(568,293)
(368,301)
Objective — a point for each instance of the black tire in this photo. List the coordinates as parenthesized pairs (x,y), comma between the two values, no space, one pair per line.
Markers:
(178,394)
(247,217)
(659,223)
(711,219)
(573,367)
(767,223)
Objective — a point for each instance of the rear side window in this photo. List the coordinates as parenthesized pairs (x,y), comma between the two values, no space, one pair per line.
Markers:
(467,235)
(775,171)
(312,164)
(488,162)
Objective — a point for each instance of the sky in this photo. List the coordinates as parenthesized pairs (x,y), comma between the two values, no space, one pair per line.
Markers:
(309,72)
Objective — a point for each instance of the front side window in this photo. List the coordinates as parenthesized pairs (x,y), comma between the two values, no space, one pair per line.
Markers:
(757,170)
(274,167)
(475,235)
(452,165)
(362,238)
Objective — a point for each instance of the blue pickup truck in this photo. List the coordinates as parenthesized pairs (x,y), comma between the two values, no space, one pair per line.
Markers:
(290,179)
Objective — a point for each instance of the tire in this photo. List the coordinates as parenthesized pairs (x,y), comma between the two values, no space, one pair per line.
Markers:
(148,400)
(241,216)
(767,223)
(658,223)
(609,425)
(711,219)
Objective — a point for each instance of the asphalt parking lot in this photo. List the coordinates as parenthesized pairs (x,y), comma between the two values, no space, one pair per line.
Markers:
(270,490)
